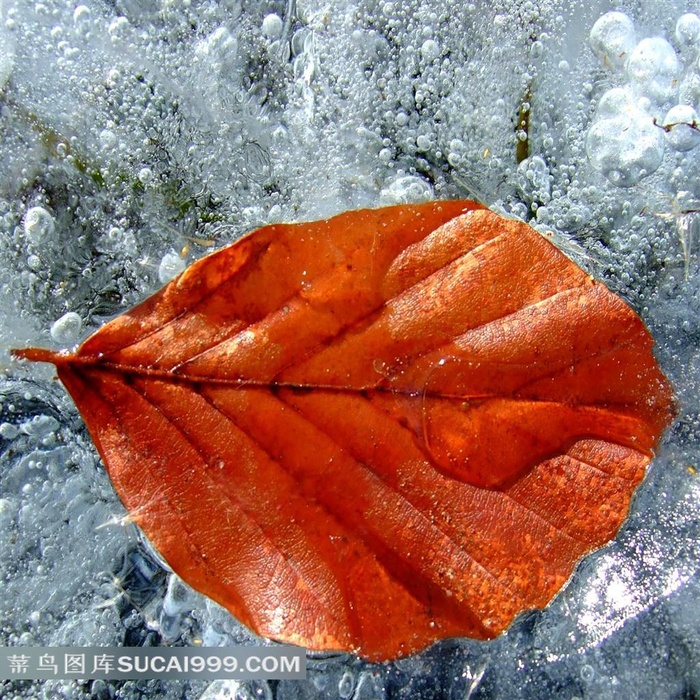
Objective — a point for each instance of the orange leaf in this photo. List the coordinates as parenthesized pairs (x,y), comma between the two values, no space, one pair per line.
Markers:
(376,431)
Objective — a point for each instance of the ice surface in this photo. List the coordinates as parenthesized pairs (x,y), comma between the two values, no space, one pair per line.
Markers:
(136,134)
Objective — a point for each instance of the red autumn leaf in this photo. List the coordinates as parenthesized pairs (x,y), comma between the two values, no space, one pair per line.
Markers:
(376,431)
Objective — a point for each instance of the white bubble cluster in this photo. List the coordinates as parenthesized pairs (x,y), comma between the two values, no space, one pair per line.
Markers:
(655,108)
(67,328)
(216,55)
(682,126)
(170,266)
(688,30)
(623,143)
(613,38)
(40,426)
(430,50)
(653,70)
(406,189)
(38,225)
(272,26)
(533,179)
(81,14)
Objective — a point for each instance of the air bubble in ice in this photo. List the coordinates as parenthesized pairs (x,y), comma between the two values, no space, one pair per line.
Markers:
(424,142)
(272,26)
(8,511)
(406,189)
(533,179)
(118,27)
(688,30)
(613,102)
(40,426)
(67,328)
(218,51)
(81,14)
(682,122)
(108,138)
(302,41)
(145,175)
(623,143)
(457,146)
(8,431)
(587,673)
(689,89)
(429,50)
(653,69)
(612,38)
(38,225)
(170,266)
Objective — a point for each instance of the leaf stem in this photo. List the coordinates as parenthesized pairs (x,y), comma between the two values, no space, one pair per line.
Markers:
(56,357)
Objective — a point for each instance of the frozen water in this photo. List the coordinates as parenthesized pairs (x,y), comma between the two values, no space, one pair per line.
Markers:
(171,265)
(38,225)
(7,54)
(682,127)
(623,142)
(688,31)
(272,26)
(404,189)
(653,69)
(613,38)
(135,129)
(66,330)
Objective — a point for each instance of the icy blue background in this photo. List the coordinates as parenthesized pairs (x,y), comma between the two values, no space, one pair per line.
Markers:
(145,131)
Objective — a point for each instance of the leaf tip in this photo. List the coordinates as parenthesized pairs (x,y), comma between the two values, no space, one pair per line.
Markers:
(41,355)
